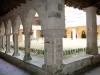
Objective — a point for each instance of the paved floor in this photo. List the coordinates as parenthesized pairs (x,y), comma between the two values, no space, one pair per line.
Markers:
(95,71)
(8,69)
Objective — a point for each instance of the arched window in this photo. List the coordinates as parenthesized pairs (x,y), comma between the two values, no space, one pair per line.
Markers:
(83,35)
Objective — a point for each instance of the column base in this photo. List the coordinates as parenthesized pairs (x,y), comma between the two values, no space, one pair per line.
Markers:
(1,49)
(53,69)
(16,54)
(7,51)
(92,51)
(27,57)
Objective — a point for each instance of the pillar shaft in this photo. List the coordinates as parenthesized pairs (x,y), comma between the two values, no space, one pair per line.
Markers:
(35,36)
(1,42)
(53,31)
(91,31)
(15,40)
(53,49)
(27,47)
(7,43)
(3,38)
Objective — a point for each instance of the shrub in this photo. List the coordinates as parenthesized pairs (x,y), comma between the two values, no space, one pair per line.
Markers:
(21,48)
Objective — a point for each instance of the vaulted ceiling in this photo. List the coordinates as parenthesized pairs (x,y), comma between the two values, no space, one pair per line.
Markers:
(8,5)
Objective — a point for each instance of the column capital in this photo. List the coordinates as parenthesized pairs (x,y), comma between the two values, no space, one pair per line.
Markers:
(8,34)
(53,32)
(15,33)
(92,8)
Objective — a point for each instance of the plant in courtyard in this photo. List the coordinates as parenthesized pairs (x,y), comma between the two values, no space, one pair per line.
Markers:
(65,52)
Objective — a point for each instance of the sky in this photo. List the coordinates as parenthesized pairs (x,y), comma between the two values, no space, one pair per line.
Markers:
(75,17)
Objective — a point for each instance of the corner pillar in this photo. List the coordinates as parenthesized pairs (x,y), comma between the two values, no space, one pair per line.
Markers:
(53,31)
(53,49)
(91,31)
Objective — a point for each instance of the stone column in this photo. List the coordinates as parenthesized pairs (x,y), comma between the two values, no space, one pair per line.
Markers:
(91,31)
(53,31)
(35,34)
(23,37)
(3,38)
(1,42)
(53,49)
(74,34)
(7,43)
(27,47)
(15,40)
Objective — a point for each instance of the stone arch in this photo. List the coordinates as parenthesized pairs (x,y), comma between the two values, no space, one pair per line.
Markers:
(18,28)
(18,22)
(8,27)
(2,29)
(30,19)
(39,7)
(31,15)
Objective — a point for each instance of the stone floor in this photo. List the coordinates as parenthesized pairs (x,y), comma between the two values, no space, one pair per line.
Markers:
(95,71)
(9,69)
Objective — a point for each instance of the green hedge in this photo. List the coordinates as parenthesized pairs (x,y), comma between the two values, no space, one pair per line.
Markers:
(65,52)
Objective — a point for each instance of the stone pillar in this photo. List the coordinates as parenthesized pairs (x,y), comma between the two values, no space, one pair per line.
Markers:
(74,34)
(15,40)
(91,31)
(23,37)
(7,43)
(35,34)
(1,42)
(3,38)
(27,47)
(53,31)
(53,49)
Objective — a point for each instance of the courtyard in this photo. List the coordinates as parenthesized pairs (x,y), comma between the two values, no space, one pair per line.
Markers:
(68,43)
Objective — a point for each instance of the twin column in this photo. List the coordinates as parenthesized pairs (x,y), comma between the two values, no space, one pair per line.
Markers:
(15,40)
(27,46)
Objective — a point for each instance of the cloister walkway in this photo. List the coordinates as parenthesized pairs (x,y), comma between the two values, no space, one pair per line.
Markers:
(38,60)
(95,71)
(8,69)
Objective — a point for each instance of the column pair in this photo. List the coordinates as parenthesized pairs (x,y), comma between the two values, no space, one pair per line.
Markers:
(8,43)
(2,42)
(27,55)
(15,40)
